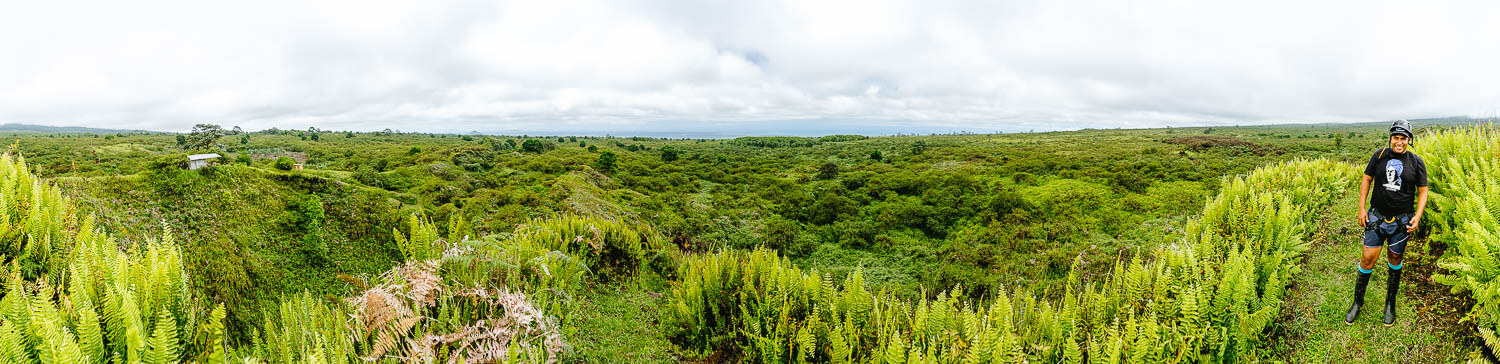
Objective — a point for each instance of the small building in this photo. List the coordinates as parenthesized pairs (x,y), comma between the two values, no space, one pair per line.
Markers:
(201,160)
(297,166)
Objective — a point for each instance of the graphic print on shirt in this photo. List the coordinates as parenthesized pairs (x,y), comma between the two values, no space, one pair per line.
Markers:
(1393,175)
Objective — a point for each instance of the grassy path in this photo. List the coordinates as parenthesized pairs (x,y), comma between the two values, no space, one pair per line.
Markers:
(1312,328)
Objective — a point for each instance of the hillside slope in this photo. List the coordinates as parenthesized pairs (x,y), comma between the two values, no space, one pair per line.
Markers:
(249,234)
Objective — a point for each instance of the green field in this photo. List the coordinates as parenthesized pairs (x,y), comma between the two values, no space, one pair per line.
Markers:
(1140,245)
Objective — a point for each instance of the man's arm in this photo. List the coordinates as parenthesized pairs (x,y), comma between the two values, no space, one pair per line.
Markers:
(1421,205)
(1364,195)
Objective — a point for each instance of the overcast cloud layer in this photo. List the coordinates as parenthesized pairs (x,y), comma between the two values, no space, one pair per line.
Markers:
(742,67)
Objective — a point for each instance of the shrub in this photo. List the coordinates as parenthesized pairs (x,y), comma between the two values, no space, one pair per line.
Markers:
(828,170)
(606,161)
(531,146)
(670,154)
(283,163)
(304,216)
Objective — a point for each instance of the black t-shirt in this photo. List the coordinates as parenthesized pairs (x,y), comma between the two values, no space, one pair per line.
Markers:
(1395,178)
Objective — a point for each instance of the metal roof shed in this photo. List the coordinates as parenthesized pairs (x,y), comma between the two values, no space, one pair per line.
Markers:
(201,160)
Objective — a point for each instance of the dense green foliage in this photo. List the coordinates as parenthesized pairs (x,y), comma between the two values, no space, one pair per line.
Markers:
(1464,165)
(1093,245)
(1206,297)
(75,295)
(250,235)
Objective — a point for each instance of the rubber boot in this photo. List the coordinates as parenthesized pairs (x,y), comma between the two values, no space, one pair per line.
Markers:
(1392,285)
(1359,297)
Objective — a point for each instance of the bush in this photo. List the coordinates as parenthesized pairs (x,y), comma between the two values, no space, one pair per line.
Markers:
(304,216)
(606,161)
(283,163)
(531,146)
(828,170)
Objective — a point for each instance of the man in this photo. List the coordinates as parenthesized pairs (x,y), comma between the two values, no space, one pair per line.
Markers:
(1391,219)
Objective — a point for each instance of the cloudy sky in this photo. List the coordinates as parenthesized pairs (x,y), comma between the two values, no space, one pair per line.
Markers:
(724,68)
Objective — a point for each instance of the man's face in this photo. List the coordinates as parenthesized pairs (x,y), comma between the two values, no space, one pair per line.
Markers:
(1398,143)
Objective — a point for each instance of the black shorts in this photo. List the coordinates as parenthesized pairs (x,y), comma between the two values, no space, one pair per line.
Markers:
(1389,231)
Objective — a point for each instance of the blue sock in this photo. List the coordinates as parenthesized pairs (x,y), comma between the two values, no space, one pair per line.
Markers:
(1362,270)
(1395,267)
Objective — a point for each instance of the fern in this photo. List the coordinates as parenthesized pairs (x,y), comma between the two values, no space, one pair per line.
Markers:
(164,343)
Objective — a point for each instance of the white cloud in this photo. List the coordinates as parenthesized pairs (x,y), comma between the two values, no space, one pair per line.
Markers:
(654,66)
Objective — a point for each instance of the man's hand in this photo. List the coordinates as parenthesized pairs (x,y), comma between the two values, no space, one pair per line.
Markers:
(1363,218)
(1412,227)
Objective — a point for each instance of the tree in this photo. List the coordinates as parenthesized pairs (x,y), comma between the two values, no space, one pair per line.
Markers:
(875,155)
(245,139)
(305,215)
(283,163)
(238,131)
(828,171)
(919,147)
(531,146)
(204,136)
(593,148)
(670,153)
(606,161)
(313,136)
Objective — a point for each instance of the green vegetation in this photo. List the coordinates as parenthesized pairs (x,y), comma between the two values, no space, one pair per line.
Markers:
(1465,180)
(1206,297)
(75,295)
(1095,245)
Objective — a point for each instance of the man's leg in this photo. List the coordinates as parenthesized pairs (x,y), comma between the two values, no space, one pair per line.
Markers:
(1367,257)
(1393,278)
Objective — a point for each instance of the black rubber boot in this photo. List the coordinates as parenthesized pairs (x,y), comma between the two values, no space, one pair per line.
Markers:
(1359,297)
(1392,285)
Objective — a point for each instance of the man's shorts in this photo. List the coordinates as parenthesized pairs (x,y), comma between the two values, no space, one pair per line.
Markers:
(1382,230)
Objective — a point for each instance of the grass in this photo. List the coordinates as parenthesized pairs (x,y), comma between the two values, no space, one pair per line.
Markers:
(618,324)
(1312,328)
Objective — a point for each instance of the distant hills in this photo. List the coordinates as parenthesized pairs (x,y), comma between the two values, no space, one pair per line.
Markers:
(59,129)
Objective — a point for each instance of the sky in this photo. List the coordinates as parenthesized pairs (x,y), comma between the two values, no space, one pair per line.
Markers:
(727,68)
